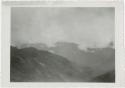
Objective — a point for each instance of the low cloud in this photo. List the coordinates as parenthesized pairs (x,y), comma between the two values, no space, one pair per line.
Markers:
(87,27)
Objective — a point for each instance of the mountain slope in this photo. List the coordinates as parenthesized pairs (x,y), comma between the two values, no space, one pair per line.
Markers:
(100,59)
(33,65)
(30,64)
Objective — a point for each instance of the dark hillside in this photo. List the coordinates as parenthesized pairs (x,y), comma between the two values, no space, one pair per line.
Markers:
(30,64)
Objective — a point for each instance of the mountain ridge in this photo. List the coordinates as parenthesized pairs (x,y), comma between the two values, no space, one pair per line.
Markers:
(28,63)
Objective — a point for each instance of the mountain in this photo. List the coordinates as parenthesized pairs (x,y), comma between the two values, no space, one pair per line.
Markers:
(101,60)
(32,65)
(64,62)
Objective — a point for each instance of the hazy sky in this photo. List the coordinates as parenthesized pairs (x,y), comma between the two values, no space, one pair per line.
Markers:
(87,27)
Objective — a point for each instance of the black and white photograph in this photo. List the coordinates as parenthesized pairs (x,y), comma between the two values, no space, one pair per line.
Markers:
(62,44)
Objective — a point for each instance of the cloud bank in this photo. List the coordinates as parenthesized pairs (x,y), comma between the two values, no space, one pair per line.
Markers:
(87,27)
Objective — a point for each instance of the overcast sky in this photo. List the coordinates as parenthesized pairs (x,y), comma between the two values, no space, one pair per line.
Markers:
(87,27)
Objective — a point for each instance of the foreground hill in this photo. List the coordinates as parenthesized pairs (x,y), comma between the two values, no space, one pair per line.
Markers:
(30,64)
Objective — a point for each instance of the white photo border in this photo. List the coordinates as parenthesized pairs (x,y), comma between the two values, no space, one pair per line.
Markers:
(119,45)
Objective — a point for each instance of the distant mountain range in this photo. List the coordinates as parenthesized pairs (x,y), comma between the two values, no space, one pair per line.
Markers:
(63,63)
(101,59)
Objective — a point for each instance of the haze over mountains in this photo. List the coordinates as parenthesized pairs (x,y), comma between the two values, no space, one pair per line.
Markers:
(88,27)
